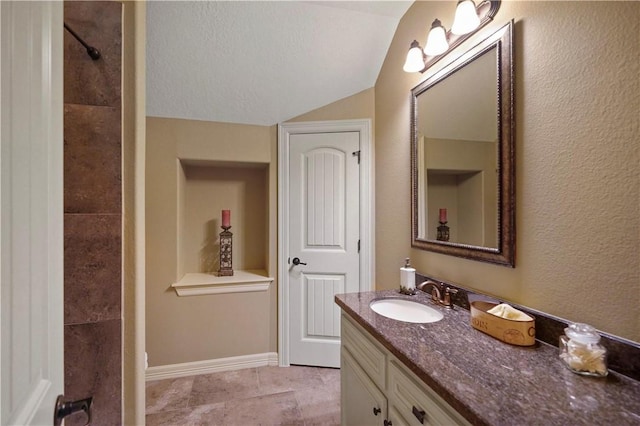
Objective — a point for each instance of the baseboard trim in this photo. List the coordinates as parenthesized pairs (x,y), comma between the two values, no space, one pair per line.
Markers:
(208,366)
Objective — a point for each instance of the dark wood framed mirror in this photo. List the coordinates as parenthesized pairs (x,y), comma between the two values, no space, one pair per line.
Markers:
(462,155)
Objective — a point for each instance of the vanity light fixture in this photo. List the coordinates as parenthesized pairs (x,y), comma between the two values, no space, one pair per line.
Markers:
(468,19)
(437,42)
(415,58)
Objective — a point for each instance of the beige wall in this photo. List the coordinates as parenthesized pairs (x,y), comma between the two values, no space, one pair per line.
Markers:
(360,105)
(578,221)
(215,156)
(186,329)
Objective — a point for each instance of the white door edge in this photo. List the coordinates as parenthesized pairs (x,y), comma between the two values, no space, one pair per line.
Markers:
(31,195)
(367,204)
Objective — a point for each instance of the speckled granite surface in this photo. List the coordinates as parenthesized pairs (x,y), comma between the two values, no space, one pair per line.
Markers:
(624,355)
(491,382)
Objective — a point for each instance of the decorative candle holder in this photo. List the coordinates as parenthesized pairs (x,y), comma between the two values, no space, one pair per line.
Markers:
(226,250)
(443,232)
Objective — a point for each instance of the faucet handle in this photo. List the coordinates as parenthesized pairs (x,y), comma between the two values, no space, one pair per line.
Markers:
(448,291)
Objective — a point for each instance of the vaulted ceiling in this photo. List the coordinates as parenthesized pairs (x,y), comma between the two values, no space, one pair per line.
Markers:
(262,62)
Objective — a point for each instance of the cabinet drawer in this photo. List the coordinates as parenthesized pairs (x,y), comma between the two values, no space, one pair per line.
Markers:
(370,356)
(409,397)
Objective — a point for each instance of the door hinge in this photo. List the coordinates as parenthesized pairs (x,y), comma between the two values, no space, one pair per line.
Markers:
(358,246)
(356,154)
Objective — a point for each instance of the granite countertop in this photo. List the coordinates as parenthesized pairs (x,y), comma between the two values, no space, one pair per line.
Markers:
(491,382)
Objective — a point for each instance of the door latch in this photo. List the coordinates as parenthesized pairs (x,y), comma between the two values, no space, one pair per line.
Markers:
(64,409)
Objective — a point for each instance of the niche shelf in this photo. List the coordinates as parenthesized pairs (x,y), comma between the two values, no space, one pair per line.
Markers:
(197,284)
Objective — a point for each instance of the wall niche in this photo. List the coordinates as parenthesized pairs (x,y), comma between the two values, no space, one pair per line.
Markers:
(204,189)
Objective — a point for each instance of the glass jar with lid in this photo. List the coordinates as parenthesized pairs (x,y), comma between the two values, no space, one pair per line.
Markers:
(581,351)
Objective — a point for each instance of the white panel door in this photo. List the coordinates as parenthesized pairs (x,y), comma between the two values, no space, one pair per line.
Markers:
(31,249)
(324,221)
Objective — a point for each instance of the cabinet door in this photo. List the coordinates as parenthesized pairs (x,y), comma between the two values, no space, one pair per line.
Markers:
(395,419)
(362,403)
(418,404)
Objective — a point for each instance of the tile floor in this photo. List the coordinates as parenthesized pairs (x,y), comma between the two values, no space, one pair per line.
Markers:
(294,395)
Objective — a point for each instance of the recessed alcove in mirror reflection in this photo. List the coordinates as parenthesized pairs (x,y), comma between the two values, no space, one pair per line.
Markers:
(462,155)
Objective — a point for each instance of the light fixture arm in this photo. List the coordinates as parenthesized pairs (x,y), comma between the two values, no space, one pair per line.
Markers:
(494,5)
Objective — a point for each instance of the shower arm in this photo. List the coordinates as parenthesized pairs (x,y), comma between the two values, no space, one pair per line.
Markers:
(91,51)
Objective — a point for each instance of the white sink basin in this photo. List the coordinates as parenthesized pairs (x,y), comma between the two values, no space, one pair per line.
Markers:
(405,310)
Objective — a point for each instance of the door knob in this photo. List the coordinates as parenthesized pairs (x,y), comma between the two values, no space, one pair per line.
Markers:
(64,409)
(296,261)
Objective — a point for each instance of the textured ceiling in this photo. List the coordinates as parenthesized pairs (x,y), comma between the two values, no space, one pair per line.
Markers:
(262,62)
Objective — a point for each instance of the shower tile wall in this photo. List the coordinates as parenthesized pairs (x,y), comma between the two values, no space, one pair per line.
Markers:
(93,210)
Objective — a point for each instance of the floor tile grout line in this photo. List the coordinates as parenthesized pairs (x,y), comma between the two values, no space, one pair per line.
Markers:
(193,379)
(299,386)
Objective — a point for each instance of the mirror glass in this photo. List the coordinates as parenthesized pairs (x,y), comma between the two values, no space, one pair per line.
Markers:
(462,155)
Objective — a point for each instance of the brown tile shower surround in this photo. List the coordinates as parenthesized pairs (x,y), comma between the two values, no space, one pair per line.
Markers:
(88,82)
(92,211)
(265,395)
(493,383)
(92,159)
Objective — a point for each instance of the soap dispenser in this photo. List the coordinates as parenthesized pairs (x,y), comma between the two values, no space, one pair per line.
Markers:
(407,278)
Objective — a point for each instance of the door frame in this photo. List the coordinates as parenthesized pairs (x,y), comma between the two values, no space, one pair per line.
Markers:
(367,204)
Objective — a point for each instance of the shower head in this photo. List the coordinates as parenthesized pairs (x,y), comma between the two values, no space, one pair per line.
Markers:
(91,51)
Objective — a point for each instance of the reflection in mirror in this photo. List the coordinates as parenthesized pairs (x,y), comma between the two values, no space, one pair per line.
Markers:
(462,155)
(457,137)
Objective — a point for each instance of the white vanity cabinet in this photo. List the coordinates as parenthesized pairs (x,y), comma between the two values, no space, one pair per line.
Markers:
(377,389)
(366,404)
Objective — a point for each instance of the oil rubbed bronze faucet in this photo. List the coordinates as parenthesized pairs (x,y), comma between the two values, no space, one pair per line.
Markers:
(440,293)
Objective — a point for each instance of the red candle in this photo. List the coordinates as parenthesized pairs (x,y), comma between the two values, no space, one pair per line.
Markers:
(443,215)
(226,218)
